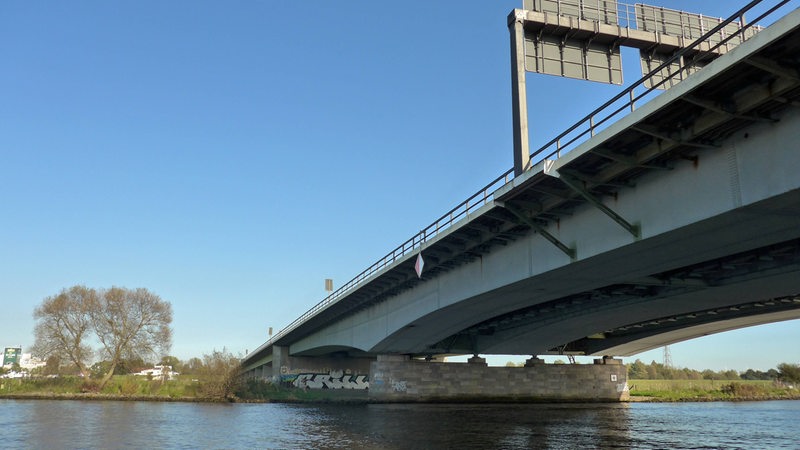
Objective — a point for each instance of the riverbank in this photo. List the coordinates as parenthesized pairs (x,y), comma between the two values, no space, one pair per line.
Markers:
(129,388)
(110,397)
(284,396)
(181,389)
(709,390)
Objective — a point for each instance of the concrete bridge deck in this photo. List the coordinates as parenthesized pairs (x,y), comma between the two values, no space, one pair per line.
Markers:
(679,220)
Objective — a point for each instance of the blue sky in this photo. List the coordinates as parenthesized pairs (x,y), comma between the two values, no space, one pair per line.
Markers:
(231,156)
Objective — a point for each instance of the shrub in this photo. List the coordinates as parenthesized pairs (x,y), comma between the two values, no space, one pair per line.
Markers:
(739,390)
(128,387)
(255,389)
(89,386)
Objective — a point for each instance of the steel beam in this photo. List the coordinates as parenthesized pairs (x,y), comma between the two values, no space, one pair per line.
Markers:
(539,229)
(576,186)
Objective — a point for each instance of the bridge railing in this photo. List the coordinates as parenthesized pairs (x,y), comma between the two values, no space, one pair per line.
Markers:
(444,222)
(564,142)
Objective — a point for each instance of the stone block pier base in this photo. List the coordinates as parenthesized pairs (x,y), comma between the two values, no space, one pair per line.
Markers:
(397,378)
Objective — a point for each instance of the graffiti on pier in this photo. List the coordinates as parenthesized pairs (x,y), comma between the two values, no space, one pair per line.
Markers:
(287,379)
(333,380)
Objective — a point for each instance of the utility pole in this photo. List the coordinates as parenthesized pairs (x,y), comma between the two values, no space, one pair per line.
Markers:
(667,357)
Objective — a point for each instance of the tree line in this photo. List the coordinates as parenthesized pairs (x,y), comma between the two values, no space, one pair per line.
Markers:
(638,370)
(116,325)
(99,333)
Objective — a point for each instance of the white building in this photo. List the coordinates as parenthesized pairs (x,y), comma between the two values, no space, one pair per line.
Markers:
(159,372)
(29,362)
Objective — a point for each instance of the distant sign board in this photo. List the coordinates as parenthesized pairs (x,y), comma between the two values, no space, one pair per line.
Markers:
(689,27)
(684,24)
(11,356)
(563,39)
(604,11)
(571,58)
(557,53)
(670,75)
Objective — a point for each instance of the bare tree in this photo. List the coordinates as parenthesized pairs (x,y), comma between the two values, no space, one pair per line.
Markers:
(220,374)
(63,326)
(193,366)
(129,324)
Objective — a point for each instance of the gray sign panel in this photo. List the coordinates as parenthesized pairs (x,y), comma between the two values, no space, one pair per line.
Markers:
(604,11)
(684,25)
(555,55)
(552,45)
(687,25)
(671,73)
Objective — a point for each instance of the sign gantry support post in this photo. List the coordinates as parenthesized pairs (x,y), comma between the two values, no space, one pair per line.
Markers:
(522,158)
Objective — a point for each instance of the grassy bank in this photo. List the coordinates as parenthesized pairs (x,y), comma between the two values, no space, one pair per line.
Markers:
(709,390)
(183,388)
(119,386)
(189,389)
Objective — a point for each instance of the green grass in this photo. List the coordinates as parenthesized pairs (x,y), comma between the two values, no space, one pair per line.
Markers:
(119,386)
(61,385)
(701,390)
(185,387)
(138,386)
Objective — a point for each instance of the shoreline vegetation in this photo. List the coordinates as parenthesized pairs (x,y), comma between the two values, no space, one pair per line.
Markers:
(192,390)
(665,391)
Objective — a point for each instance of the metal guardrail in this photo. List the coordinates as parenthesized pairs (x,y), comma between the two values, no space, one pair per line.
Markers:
(577,133)
(477,200)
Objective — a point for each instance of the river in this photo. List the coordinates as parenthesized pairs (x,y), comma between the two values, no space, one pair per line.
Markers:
(39,424)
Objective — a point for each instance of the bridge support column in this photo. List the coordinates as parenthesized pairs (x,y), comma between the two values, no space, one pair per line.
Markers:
(397,378)
(280,362)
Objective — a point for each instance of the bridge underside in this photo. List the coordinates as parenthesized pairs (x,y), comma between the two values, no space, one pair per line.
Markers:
(749,288)
(738,269)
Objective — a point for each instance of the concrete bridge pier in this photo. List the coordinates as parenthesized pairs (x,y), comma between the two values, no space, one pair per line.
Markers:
(280,359)
(333,372)
(262,373)
(398,378)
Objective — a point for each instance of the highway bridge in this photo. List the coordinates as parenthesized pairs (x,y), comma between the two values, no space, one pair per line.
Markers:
(645,224)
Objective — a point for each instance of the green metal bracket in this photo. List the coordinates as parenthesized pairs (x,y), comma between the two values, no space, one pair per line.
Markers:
(577,186)
(539,229)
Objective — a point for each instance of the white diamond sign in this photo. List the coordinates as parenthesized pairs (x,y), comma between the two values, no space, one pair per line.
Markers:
(419,265)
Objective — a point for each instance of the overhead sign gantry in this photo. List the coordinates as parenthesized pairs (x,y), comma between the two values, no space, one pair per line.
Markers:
(582,39)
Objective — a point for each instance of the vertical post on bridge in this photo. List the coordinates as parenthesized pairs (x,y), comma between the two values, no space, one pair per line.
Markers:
(519,99)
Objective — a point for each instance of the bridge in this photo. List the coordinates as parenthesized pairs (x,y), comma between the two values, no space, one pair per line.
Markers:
(640,226)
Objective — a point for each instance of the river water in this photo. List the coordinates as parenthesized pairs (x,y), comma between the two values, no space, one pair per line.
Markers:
(40,424)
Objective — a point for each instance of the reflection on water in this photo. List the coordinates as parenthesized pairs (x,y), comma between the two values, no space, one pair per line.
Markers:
(96,424)
(503,426)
